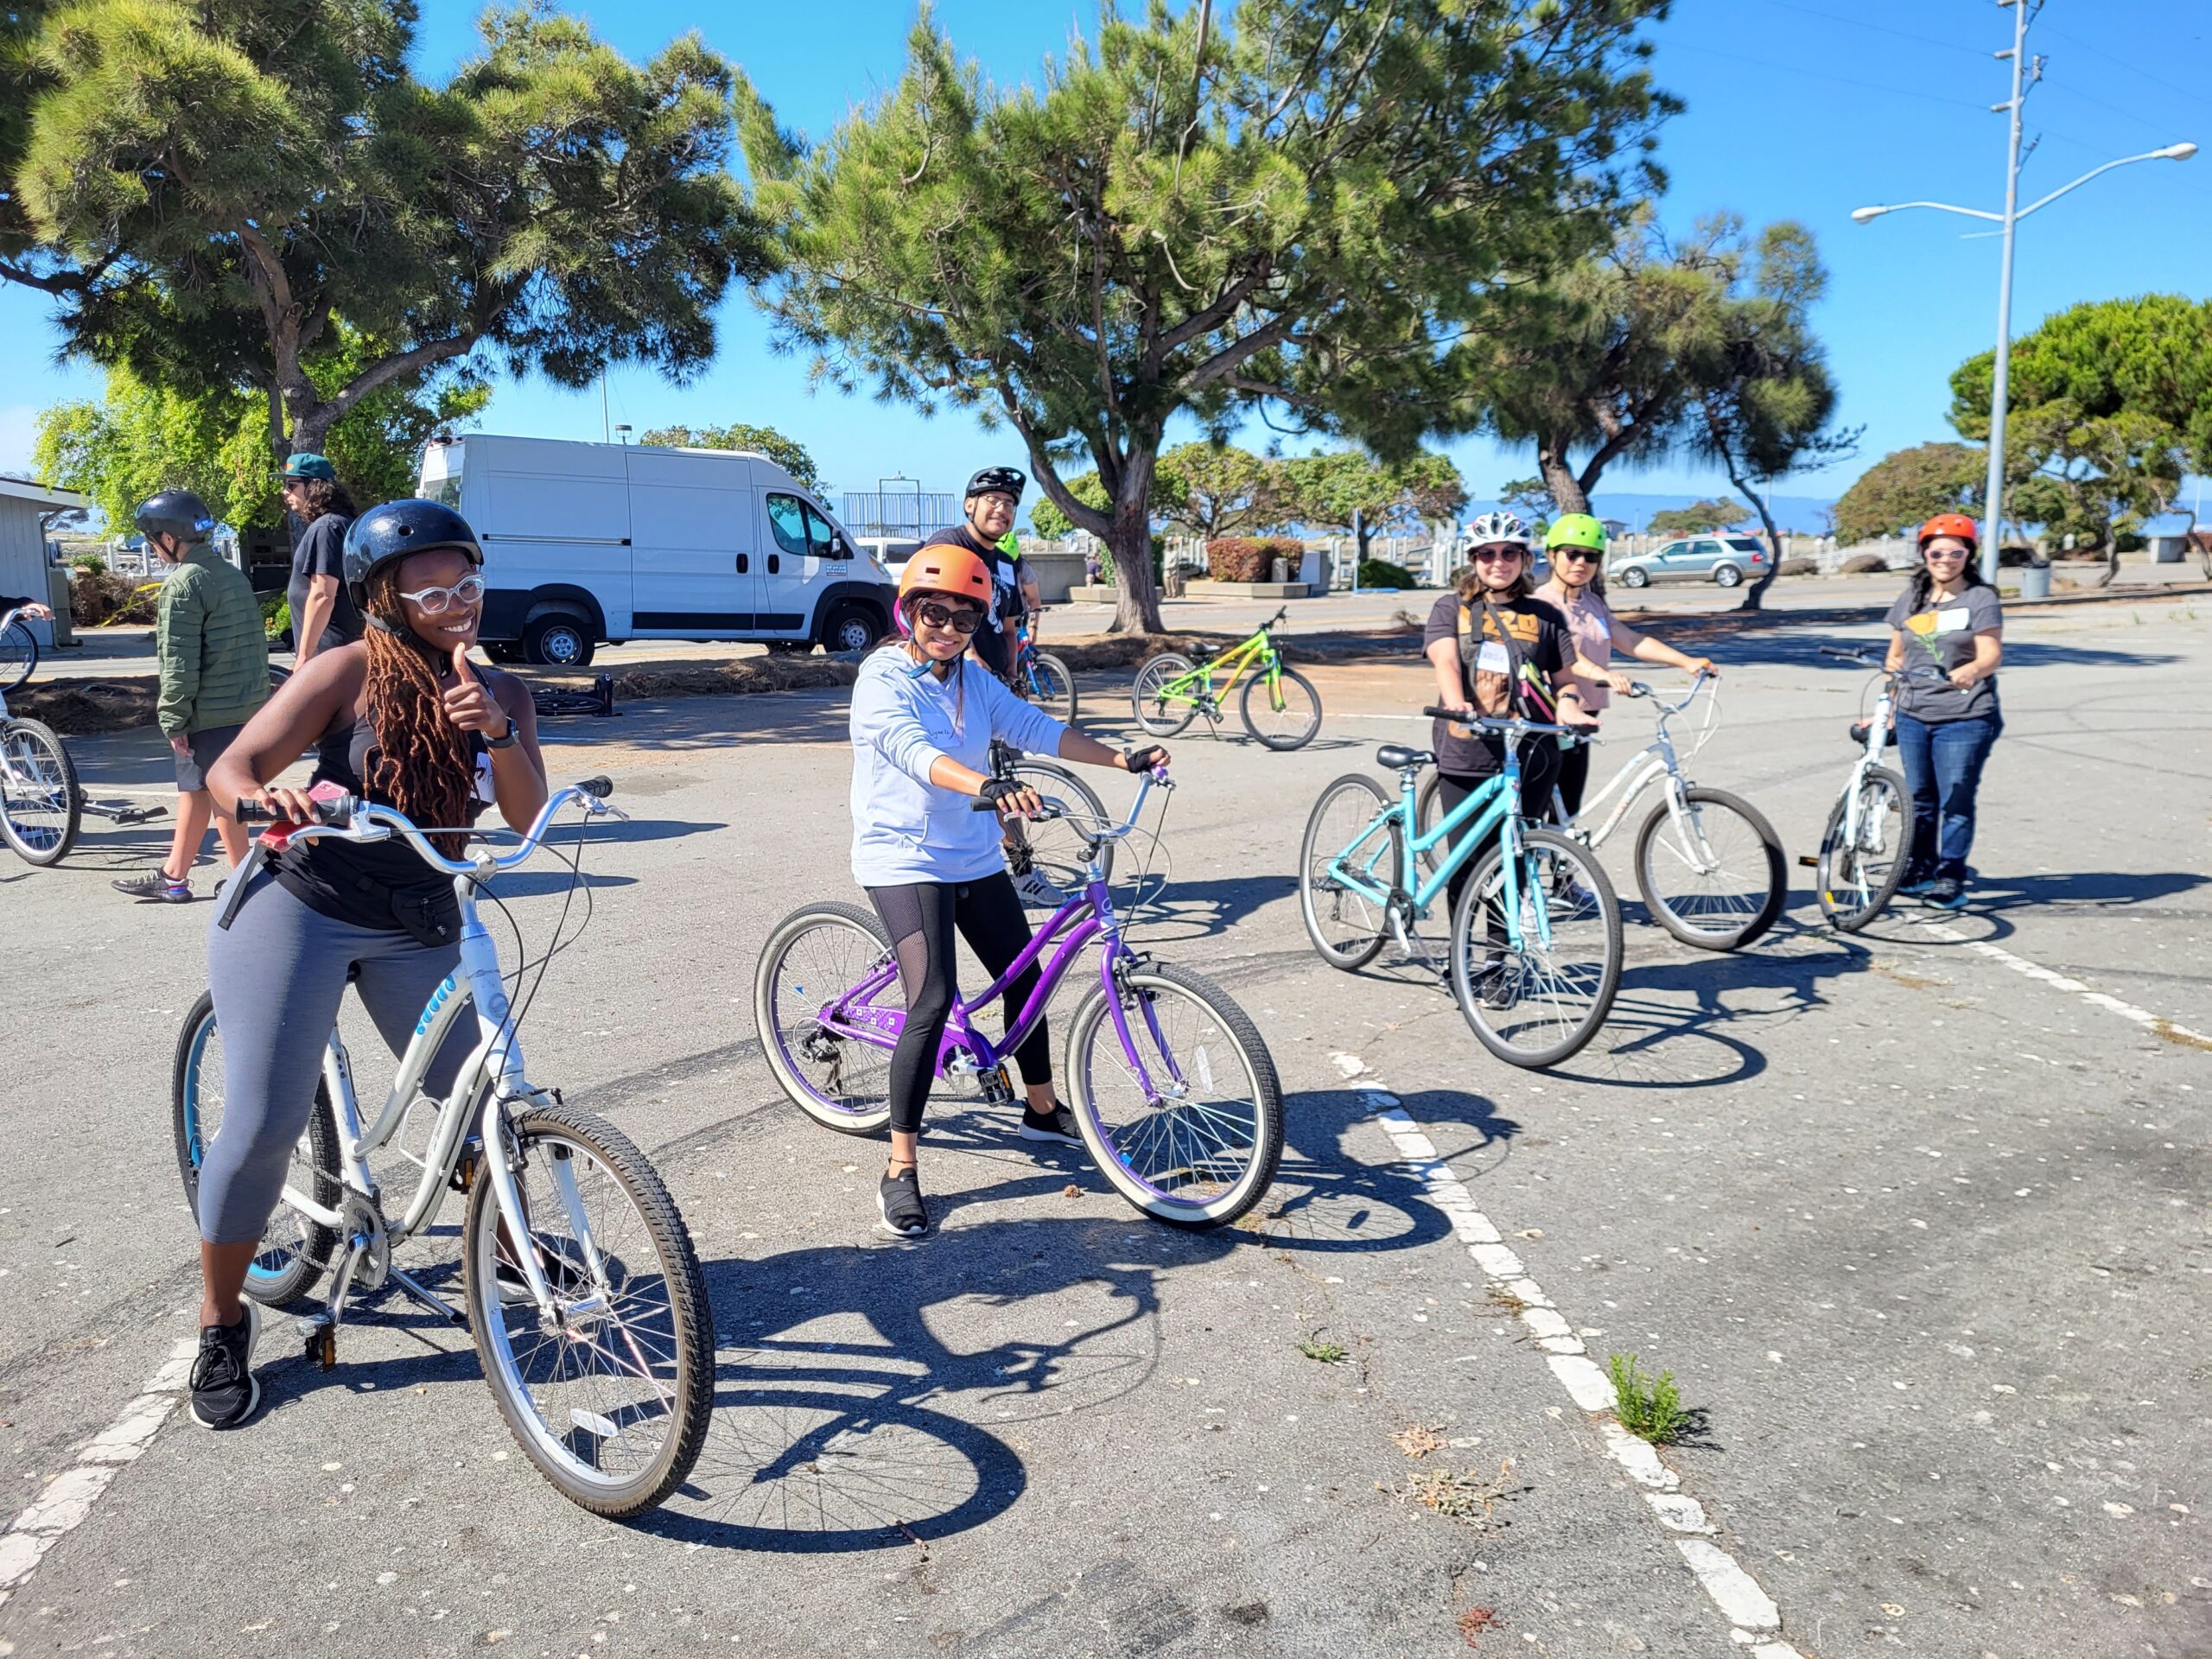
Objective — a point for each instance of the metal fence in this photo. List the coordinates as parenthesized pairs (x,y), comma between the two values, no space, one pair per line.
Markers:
(898,512)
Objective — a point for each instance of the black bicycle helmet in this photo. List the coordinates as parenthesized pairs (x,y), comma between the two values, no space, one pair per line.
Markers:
(996,480)
(174,513)
(396,528)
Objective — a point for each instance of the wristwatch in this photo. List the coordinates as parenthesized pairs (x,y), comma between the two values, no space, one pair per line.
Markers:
(505,742)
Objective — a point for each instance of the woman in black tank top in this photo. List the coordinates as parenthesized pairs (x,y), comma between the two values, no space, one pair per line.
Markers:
(402,718)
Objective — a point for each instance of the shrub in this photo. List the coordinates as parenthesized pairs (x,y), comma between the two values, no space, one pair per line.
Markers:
(1860,564)
(1381,573)
(90,564)
(1799,566)
(276,615)
(1250,558)
(98,598)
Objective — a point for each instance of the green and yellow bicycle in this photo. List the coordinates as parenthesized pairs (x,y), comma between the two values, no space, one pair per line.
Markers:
(1279,706)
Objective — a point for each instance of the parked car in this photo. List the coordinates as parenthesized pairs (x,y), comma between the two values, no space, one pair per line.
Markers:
(585,542)
(891,552)
(1724,559)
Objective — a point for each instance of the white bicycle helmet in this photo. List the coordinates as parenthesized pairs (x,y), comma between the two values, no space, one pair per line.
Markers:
(1491,527)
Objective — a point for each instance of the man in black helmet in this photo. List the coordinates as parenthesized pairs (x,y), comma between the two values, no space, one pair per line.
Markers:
(993,496)
(214,663)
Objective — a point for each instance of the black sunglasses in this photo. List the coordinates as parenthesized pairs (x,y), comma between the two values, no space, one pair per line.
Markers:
(1580,555)
(965,619)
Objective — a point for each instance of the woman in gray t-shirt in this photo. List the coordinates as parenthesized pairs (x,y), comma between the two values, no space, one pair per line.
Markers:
(1946,640)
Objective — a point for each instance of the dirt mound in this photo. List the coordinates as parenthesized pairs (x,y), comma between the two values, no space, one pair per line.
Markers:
(747,677)
(86,708)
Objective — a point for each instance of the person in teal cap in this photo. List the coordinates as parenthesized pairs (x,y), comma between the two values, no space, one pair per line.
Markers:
(320,512)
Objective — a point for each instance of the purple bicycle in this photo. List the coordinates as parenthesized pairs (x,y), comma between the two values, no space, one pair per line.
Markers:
(1172,1086)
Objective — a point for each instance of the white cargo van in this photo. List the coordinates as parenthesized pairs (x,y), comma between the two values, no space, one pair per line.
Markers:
(592,542)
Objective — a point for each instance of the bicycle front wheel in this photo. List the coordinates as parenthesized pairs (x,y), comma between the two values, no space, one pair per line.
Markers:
(1163,708)
(1281,709)
(18,654)
(1053,686)
(814,956)
(1863,853)
(40,807)
(1346,925)
(1176,1096)
(1053,848)
(1715,876)
(609,1395)
(295,1248)
(1535,970)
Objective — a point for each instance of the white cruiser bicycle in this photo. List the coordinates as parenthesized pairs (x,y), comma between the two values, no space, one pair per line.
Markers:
(597,1340)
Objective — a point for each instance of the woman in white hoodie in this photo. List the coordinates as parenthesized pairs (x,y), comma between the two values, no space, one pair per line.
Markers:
(922,726)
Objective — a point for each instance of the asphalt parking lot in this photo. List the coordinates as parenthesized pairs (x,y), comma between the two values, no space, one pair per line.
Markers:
(1917,1220)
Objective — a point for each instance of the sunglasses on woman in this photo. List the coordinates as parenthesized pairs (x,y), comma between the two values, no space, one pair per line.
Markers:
(1576,555)
(1492,554)
(435,602)
(961,619)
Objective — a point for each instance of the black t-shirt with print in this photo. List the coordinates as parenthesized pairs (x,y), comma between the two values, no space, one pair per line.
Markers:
(1540,639)
(1005,591)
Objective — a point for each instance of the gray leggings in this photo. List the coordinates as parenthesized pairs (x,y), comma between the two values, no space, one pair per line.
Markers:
(279,972)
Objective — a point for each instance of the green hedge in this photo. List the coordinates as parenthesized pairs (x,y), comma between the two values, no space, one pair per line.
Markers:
(1381,573)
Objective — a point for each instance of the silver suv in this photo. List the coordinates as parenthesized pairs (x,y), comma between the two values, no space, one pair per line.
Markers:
(1725,559)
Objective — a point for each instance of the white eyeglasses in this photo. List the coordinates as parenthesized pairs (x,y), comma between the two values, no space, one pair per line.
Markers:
(434,601)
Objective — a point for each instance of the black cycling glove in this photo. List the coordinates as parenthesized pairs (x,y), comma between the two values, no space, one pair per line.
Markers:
(1143,758)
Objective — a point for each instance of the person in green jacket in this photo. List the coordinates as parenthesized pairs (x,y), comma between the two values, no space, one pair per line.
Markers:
(214,661)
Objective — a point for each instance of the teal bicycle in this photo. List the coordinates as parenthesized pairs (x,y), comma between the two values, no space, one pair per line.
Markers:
(1535,939)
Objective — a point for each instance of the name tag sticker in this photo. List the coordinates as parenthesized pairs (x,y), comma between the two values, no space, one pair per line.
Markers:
(1953,621)
(1492,658)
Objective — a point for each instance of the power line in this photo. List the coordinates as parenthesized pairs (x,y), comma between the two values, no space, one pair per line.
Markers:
(1817,74)
(2195,96)
(1880,29)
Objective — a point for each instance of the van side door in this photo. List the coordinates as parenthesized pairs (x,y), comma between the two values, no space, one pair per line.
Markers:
(692,544)
(801,551)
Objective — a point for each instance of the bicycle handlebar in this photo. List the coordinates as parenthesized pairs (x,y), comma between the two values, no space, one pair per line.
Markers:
(1641,688)
(350,818)
(1519,727)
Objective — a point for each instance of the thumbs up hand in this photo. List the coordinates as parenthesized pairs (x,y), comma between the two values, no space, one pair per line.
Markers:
(469,703)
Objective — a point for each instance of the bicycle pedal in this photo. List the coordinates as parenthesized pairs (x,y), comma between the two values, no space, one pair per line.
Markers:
(322,1344)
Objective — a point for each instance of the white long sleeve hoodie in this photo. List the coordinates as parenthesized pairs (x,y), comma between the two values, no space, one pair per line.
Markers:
(904,827)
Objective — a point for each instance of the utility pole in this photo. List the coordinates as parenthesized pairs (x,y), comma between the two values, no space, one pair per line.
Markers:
(2001,387)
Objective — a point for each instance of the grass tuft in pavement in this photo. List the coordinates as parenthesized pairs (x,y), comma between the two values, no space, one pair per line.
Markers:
(1649,1407)
(1328,1353)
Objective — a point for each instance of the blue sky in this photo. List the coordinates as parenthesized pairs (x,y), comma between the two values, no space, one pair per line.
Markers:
(1800,109)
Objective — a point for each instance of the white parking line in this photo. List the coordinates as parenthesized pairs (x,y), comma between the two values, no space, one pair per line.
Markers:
(1755,1622)
(65,1500)
(2143,1017)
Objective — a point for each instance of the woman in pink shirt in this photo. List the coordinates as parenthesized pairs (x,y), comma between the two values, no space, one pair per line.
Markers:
(1576,547)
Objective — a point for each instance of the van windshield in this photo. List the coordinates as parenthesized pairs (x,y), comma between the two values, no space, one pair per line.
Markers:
(444,490)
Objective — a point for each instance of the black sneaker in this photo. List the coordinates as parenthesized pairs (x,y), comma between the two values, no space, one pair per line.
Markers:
(1058,1124)
(1945,893)
(1493,986)
(898,1199)
(155,885)
(224,1393)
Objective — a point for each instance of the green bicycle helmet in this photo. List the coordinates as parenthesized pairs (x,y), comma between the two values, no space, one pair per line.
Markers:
(1010,544)
(1575,529)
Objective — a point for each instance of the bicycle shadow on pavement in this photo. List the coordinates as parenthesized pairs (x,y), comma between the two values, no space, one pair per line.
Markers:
(861,1392)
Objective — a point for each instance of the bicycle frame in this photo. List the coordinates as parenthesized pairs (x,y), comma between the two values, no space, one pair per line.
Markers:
(1876,739)
(964,1050)
(493,1069)
(1494,808)
(1198,683)
(1654,761)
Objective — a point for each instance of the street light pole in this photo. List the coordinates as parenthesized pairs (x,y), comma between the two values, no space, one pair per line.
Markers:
(2001,387)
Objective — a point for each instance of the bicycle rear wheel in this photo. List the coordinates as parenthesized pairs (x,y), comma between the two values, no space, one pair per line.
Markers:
(1159,712)
(1714,877)
(1053,686)
(1287,711)
(1054,846)
(1347,926)
(40,809)
(814,956)
(1192,1138)
(610,1397)
(18,654)
(1858,871)
(295,1248)
(1536,1004)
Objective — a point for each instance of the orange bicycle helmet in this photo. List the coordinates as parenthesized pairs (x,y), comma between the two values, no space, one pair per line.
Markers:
(1951,523)
(943,569)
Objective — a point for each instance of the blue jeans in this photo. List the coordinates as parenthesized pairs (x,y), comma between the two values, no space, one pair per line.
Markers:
(1943,769)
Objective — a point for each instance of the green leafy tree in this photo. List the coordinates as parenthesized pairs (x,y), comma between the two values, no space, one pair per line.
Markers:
(208,187)
(1203,215)
(1529,497)
(1048,521)
(1350,490)
(137,438)
(2110,402)
(787,453)
(1699,518)
(1217,489)
(1907,487)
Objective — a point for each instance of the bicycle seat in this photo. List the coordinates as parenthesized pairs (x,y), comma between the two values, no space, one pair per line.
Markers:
(1399,758)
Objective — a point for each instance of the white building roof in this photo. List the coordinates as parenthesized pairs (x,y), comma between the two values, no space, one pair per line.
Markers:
(17,489)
